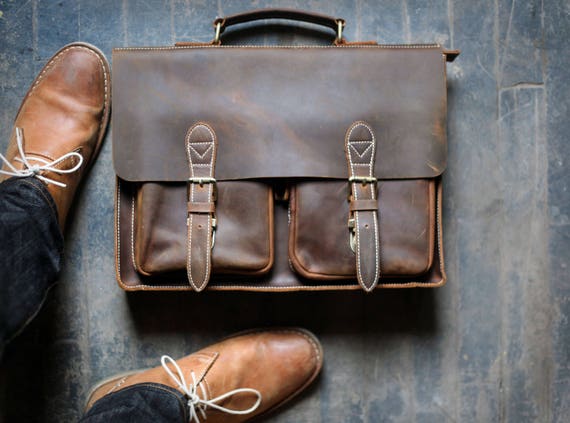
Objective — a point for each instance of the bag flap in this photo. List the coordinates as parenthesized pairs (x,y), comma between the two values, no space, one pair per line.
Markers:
(279,111)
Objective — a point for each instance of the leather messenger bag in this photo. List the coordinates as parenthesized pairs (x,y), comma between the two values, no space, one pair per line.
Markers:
(279,168)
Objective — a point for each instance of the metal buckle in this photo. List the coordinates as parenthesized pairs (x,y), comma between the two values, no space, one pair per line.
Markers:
(201,182)
(351,228)
(214,226)
(206,180)
(364,180)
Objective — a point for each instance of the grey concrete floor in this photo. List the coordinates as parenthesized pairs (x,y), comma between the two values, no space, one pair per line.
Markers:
(493,345)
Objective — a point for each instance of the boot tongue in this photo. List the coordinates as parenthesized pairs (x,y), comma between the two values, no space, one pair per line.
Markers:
(213,401)
(203,365)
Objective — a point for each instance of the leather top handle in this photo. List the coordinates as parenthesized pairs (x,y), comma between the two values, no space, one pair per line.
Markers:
(337,24)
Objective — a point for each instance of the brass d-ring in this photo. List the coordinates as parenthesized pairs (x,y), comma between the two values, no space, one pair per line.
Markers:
(340,24)
(218,32)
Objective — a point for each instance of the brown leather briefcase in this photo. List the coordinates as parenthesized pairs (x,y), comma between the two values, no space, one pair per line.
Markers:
(279,168)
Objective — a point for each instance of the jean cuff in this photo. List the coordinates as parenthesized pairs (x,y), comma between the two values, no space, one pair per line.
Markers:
(144,402)
(29,181)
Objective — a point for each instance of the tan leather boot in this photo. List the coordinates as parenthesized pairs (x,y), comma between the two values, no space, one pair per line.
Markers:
(61,123)
(265,369)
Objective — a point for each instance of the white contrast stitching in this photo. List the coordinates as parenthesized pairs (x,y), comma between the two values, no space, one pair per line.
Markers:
(210,188)
(355,193)
(379,47)
(196,151)
(361,155)
(439,239)
(118,223)
(133,232)
(256,287)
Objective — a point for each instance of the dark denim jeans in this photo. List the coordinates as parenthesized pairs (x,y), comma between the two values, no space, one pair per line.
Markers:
(31,247)
(142,403)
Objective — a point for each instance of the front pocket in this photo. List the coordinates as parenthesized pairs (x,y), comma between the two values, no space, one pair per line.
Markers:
(243,236)
(319,238)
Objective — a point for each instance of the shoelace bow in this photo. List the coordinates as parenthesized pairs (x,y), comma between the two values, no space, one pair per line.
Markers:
(35,169)
(195,403)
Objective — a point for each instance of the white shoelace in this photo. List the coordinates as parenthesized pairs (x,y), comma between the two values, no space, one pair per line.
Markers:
(195,403)
(35,169)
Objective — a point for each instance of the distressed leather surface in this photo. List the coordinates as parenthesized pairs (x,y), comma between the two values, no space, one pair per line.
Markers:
(66,109)
(320,257)
(318,242)
(279,126)
(276,111)
(244,234)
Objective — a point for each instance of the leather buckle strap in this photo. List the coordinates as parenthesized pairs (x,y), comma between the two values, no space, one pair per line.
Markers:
(201,147)
(363,224)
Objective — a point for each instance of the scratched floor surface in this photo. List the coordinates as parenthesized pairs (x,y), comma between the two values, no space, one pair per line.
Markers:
(491,346)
